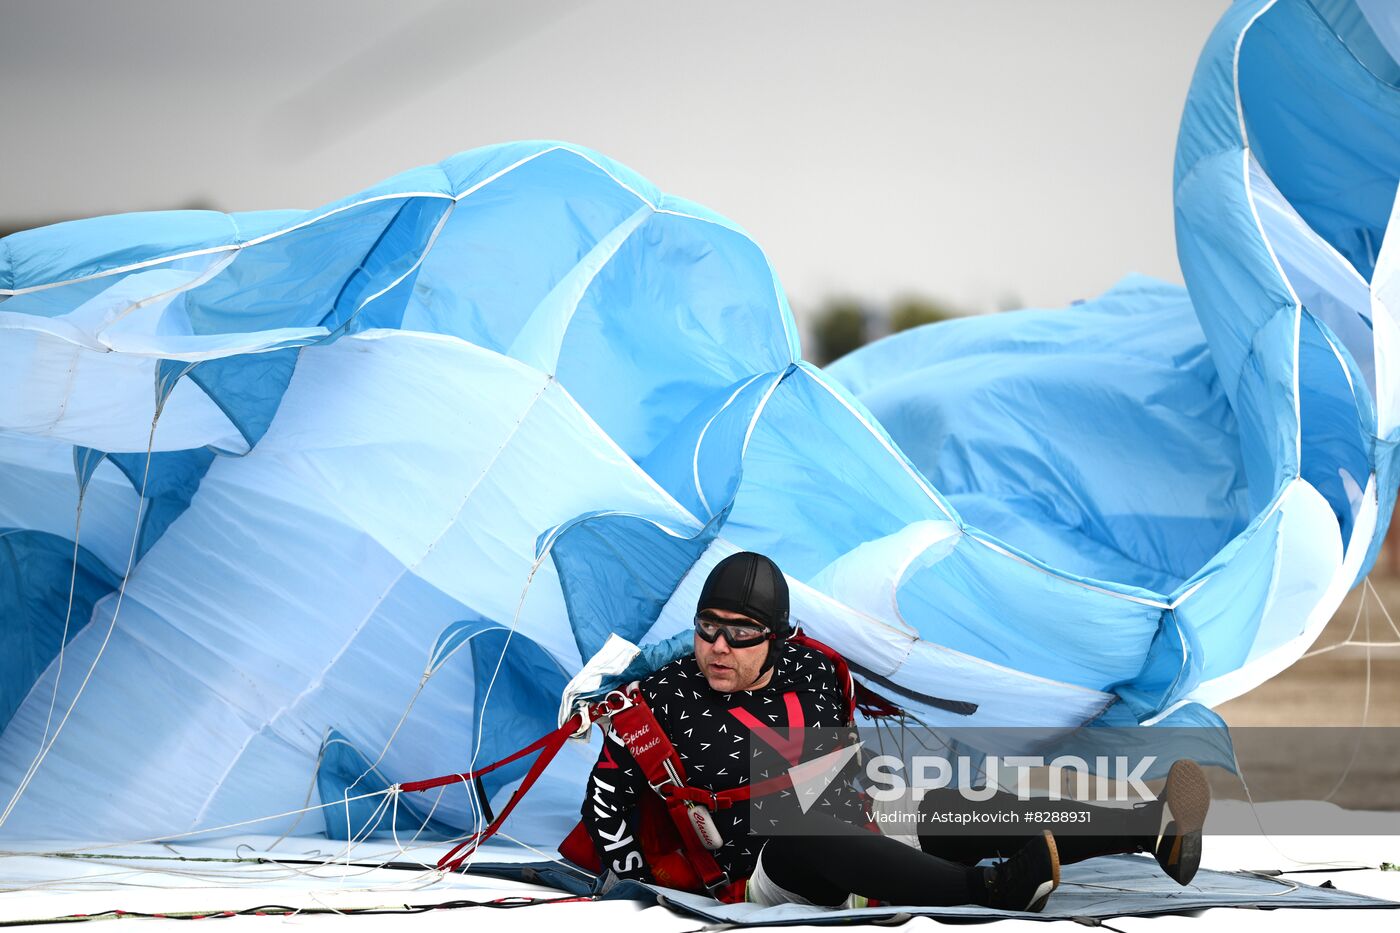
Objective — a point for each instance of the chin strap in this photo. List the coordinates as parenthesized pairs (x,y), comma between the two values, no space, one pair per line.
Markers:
(767,666)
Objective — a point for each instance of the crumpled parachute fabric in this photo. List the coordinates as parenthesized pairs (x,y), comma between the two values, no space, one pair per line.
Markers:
(296,505)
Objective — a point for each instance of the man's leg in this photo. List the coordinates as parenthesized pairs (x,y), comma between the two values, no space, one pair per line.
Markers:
(839,859)
(1116,830)
(1169,827)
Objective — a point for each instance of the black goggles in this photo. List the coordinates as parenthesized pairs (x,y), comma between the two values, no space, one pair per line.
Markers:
(736,634)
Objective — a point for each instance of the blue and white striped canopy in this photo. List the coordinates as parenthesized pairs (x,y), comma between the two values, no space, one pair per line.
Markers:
(362,488)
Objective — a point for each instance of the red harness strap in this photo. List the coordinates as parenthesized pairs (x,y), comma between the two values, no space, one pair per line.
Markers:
(547,745)
(688,807)
(637,728)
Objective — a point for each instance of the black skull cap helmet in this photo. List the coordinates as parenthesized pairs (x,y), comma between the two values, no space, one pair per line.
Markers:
(750,584)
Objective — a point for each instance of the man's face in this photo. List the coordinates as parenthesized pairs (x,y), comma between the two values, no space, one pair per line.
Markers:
(726,668)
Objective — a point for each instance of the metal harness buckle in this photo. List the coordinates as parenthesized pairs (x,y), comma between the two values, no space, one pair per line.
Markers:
(718,886)
(623,701)
(671,778)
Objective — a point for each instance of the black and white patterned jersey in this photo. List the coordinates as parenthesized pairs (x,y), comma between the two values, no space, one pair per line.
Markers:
(711,732)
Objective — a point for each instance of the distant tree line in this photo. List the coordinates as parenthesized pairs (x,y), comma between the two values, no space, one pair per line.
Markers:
(842,325)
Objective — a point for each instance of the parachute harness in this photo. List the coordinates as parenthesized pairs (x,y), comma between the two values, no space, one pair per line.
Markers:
(626,712)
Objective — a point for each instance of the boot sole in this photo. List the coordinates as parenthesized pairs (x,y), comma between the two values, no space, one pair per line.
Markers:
(1043,893)
(1185,801)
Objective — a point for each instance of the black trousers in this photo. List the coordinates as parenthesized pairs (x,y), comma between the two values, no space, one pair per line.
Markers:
(833,859)
(1081,830)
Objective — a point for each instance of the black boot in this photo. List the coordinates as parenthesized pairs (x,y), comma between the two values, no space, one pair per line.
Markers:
(1185,800)
(1024,881)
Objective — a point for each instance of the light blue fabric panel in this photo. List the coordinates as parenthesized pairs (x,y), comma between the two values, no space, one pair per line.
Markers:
(341,553)
(1233,282)
(1030,422)
(700,462)
(81,248)
(992,607)
(1314,97)
(1189,731)
(1226,611)
(1247,316)
(394,649)
(1337,442)
(293,279)
(1210,124)
(98,245)
(1171,669)
(1388,476)
(514,234)
(59,300)
(684,308)
(1322,124)
(375,294)
(818,480)
(41,494)
(467,172)
(618,571)
(1360,31)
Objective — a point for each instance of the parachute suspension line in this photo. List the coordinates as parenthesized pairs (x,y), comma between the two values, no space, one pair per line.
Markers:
(1367,594)
(880,737)
(542,854)
(310,787)
(1384,611)
(429,875)
(49,742)
(1254,811)
(415,882)
(163,839)
(395,793)
(263,871)
(67,616)
(1365,701)
(479,822)
(477,813)
(429,671)
(1350,641)
(904,719)
(427,818)
(471,841)
(391,793)
(418,691)
(354,838)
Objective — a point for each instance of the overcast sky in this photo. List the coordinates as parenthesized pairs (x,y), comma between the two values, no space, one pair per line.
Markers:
(979,151)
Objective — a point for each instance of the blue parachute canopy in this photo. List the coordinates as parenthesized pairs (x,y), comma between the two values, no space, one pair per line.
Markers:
(341,498)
